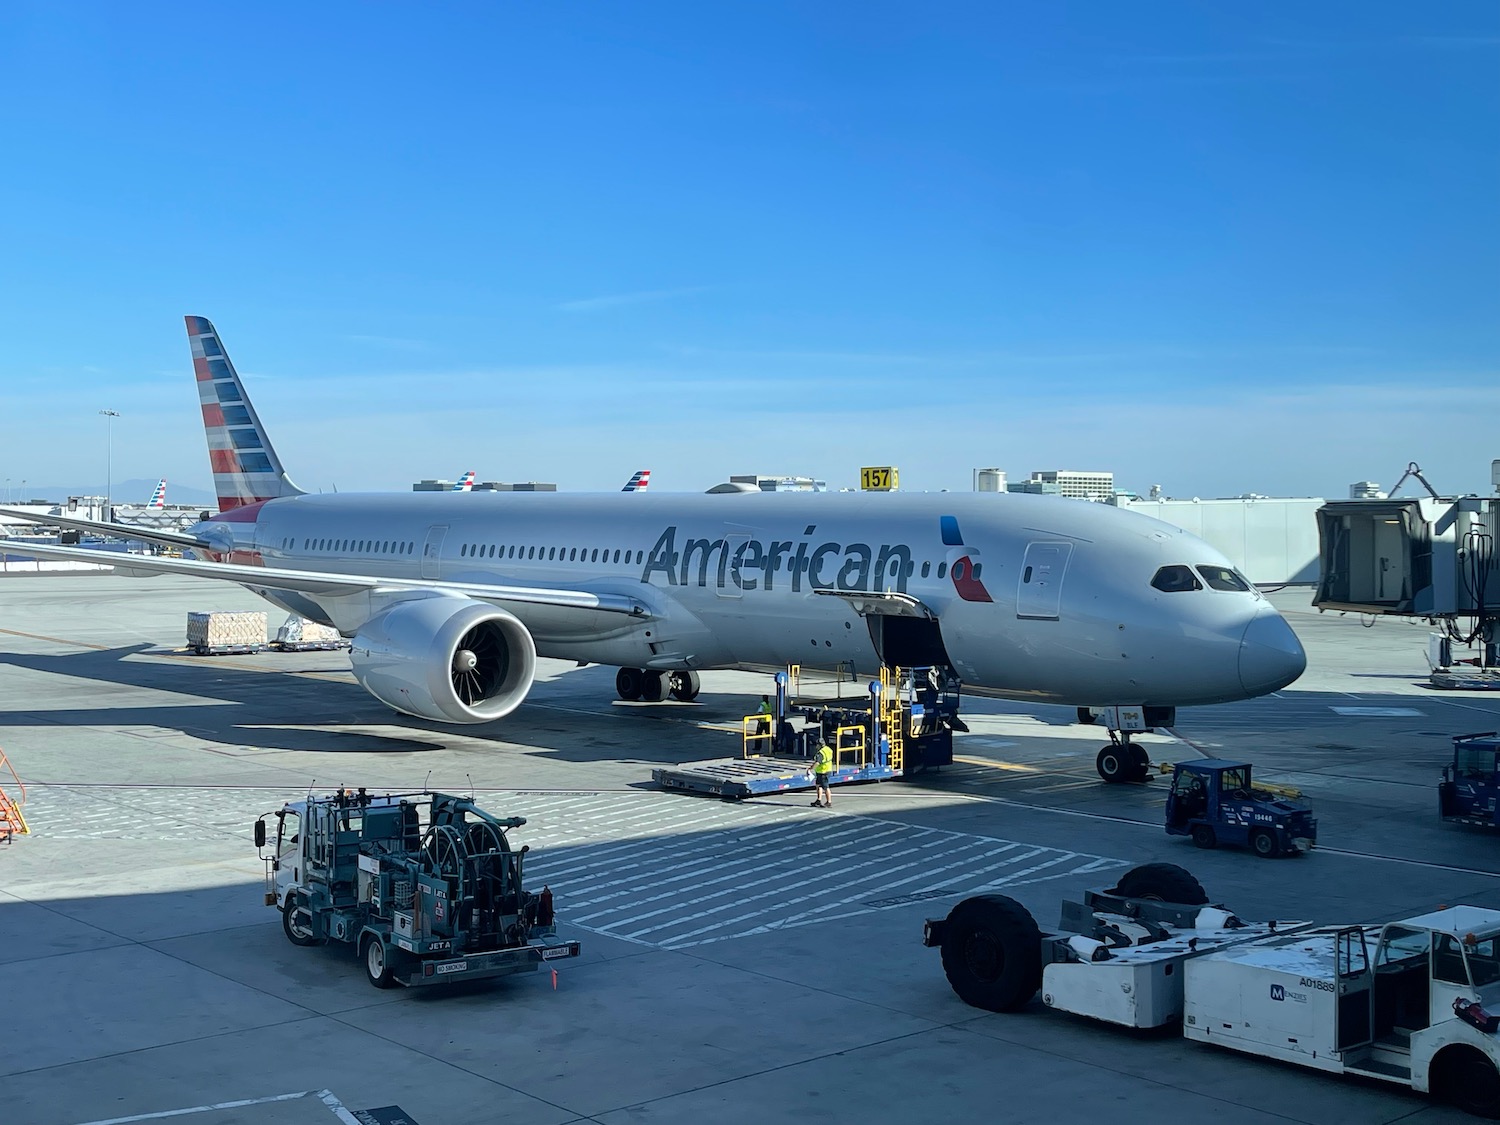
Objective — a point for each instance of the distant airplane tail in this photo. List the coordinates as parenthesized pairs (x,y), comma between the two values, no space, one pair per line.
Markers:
(465,482)
(245,466)
(639,482)
(159,497)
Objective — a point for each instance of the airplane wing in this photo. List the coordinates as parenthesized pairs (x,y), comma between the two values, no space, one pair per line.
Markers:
(333,585)
(118,530)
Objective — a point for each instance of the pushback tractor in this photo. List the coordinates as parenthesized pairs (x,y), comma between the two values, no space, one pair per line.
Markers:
(424,886)
(1408,1002)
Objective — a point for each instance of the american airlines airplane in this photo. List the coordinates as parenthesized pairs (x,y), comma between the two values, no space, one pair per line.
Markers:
(464,483)
(449,599)
(639,482)
(159,497)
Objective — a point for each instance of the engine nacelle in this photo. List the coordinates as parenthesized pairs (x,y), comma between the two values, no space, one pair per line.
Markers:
(450,659)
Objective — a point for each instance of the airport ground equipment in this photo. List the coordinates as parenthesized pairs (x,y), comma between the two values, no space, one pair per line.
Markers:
(425,886)
(298,634)
(1123,760)
(1215,802)
(1429,557)
(902,726)
(1407,1002)
(221,633)
(1471,782)
(12,821)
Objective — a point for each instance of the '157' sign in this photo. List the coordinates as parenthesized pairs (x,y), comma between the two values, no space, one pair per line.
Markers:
(880,478)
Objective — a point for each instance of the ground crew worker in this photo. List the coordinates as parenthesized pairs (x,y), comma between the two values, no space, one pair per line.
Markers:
(763,725)
(822,771)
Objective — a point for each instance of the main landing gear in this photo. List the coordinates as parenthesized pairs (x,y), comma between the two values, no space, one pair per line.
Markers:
(633,684)
(1122,760)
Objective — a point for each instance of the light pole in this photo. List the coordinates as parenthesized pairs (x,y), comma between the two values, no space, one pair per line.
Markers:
(109,464)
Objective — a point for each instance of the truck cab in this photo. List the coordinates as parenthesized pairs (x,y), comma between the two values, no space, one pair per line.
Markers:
(1471,782)
(1215,802)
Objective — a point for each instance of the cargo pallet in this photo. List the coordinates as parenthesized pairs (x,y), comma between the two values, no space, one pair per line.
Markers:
(307,646)
(224,650)
(738,778)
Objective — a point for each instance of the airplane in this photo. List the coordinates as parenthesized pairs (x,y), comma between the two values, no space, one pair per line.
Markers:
(638,483)
(465,483)
(159,497)
(449,602)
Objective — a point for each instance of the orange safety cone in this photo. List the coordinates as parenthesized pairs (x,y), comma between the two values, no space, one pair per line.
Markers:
(554,980)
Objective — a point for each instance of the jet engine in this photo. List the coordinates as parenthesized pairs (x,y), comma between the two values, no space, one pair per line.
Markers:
(450,659)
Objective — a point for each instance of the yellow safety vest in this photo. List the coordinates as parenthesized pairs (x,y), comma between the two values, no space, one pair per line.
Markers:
(824,764)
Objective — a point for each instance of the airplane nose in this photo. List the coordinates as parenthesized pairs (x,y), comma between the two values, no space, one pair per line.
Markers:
(1271,656)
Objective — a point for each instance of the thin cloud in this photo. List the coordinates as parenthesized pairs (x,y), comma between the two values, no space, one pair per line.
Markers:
(641,297)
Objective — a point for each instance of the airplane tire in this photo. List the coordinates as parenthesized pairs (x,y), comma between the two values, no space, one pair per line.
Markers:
(1086,716)
(1113,764)
(685,686)
(654,687)
(992,953)
(628,683)
(1140,763)
(1162,882)
(1264,844)
(1203,836)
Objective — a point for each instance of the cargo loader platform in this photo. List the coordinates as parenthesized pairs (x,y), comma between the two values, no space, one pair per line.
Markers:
(738,778)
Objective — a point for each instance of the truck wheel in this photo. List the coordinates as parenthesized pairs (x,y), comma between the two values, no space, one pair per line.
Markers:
(377,967)
(685,686)
(1204,836)
(1162,882)
(628,683)
(1265,844)
(296,921)
(1113,764)
(992,953)
(1465,1078)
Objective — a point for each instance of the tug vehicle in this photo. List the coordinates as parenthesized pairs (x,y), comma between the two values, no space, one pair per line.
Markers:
(425,886)
(1408,1002)
(1471,782)
(1214,802)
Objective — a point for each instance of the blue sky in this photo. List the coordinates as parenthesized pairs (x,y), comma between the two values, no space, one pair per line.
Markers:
(1222,248)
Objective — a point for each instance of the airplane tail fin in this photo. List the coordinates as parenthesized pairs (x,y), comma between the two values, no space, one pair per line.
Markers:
(465,482)
(159,497)
(639,482)
(245,466)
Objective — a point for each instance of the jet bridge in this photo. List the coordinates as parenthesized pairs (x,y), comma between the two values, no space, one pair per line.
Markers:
(1431,557)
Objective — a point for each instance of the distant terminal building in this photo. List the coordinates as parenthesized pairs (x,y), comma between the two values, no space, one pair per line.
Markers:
(485,486)
(1069,482)
(768,483)
(989,480)
(1366,490)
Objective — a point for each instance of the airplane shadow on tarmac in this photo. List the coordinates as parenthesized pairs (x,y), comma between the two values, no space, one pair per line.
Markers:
(321,709)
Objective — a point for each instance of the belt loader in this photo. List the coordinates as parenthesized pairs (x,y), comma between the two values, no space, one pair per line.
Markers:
(1407,1002)
(425,886)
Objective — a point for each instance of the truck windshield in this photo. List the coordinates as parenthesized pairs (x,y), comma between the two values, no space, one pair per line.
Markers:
(290,826)
(1483,957)
(1475,761)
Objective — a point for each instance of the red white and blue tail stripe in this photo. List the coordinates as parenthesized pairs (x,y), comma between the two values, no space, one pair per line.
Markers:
(639,482)
(465,482)
(245,466)
(159,497)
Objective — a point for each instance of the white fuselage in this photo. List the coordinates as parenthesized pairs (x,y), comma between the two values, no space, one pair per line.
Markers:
(734,581)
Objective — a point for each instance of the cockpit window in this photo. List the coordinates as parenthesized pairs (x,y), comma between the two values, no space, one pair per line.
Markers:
(1175,579)
(1222,578)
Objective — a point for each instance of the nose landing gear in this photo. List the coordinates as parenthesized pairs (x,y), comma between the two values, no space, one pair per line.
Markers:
(1122,761)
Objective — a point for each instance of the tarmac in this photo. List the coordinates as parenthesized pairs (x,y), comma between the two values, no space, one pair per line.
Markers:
(742,962)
